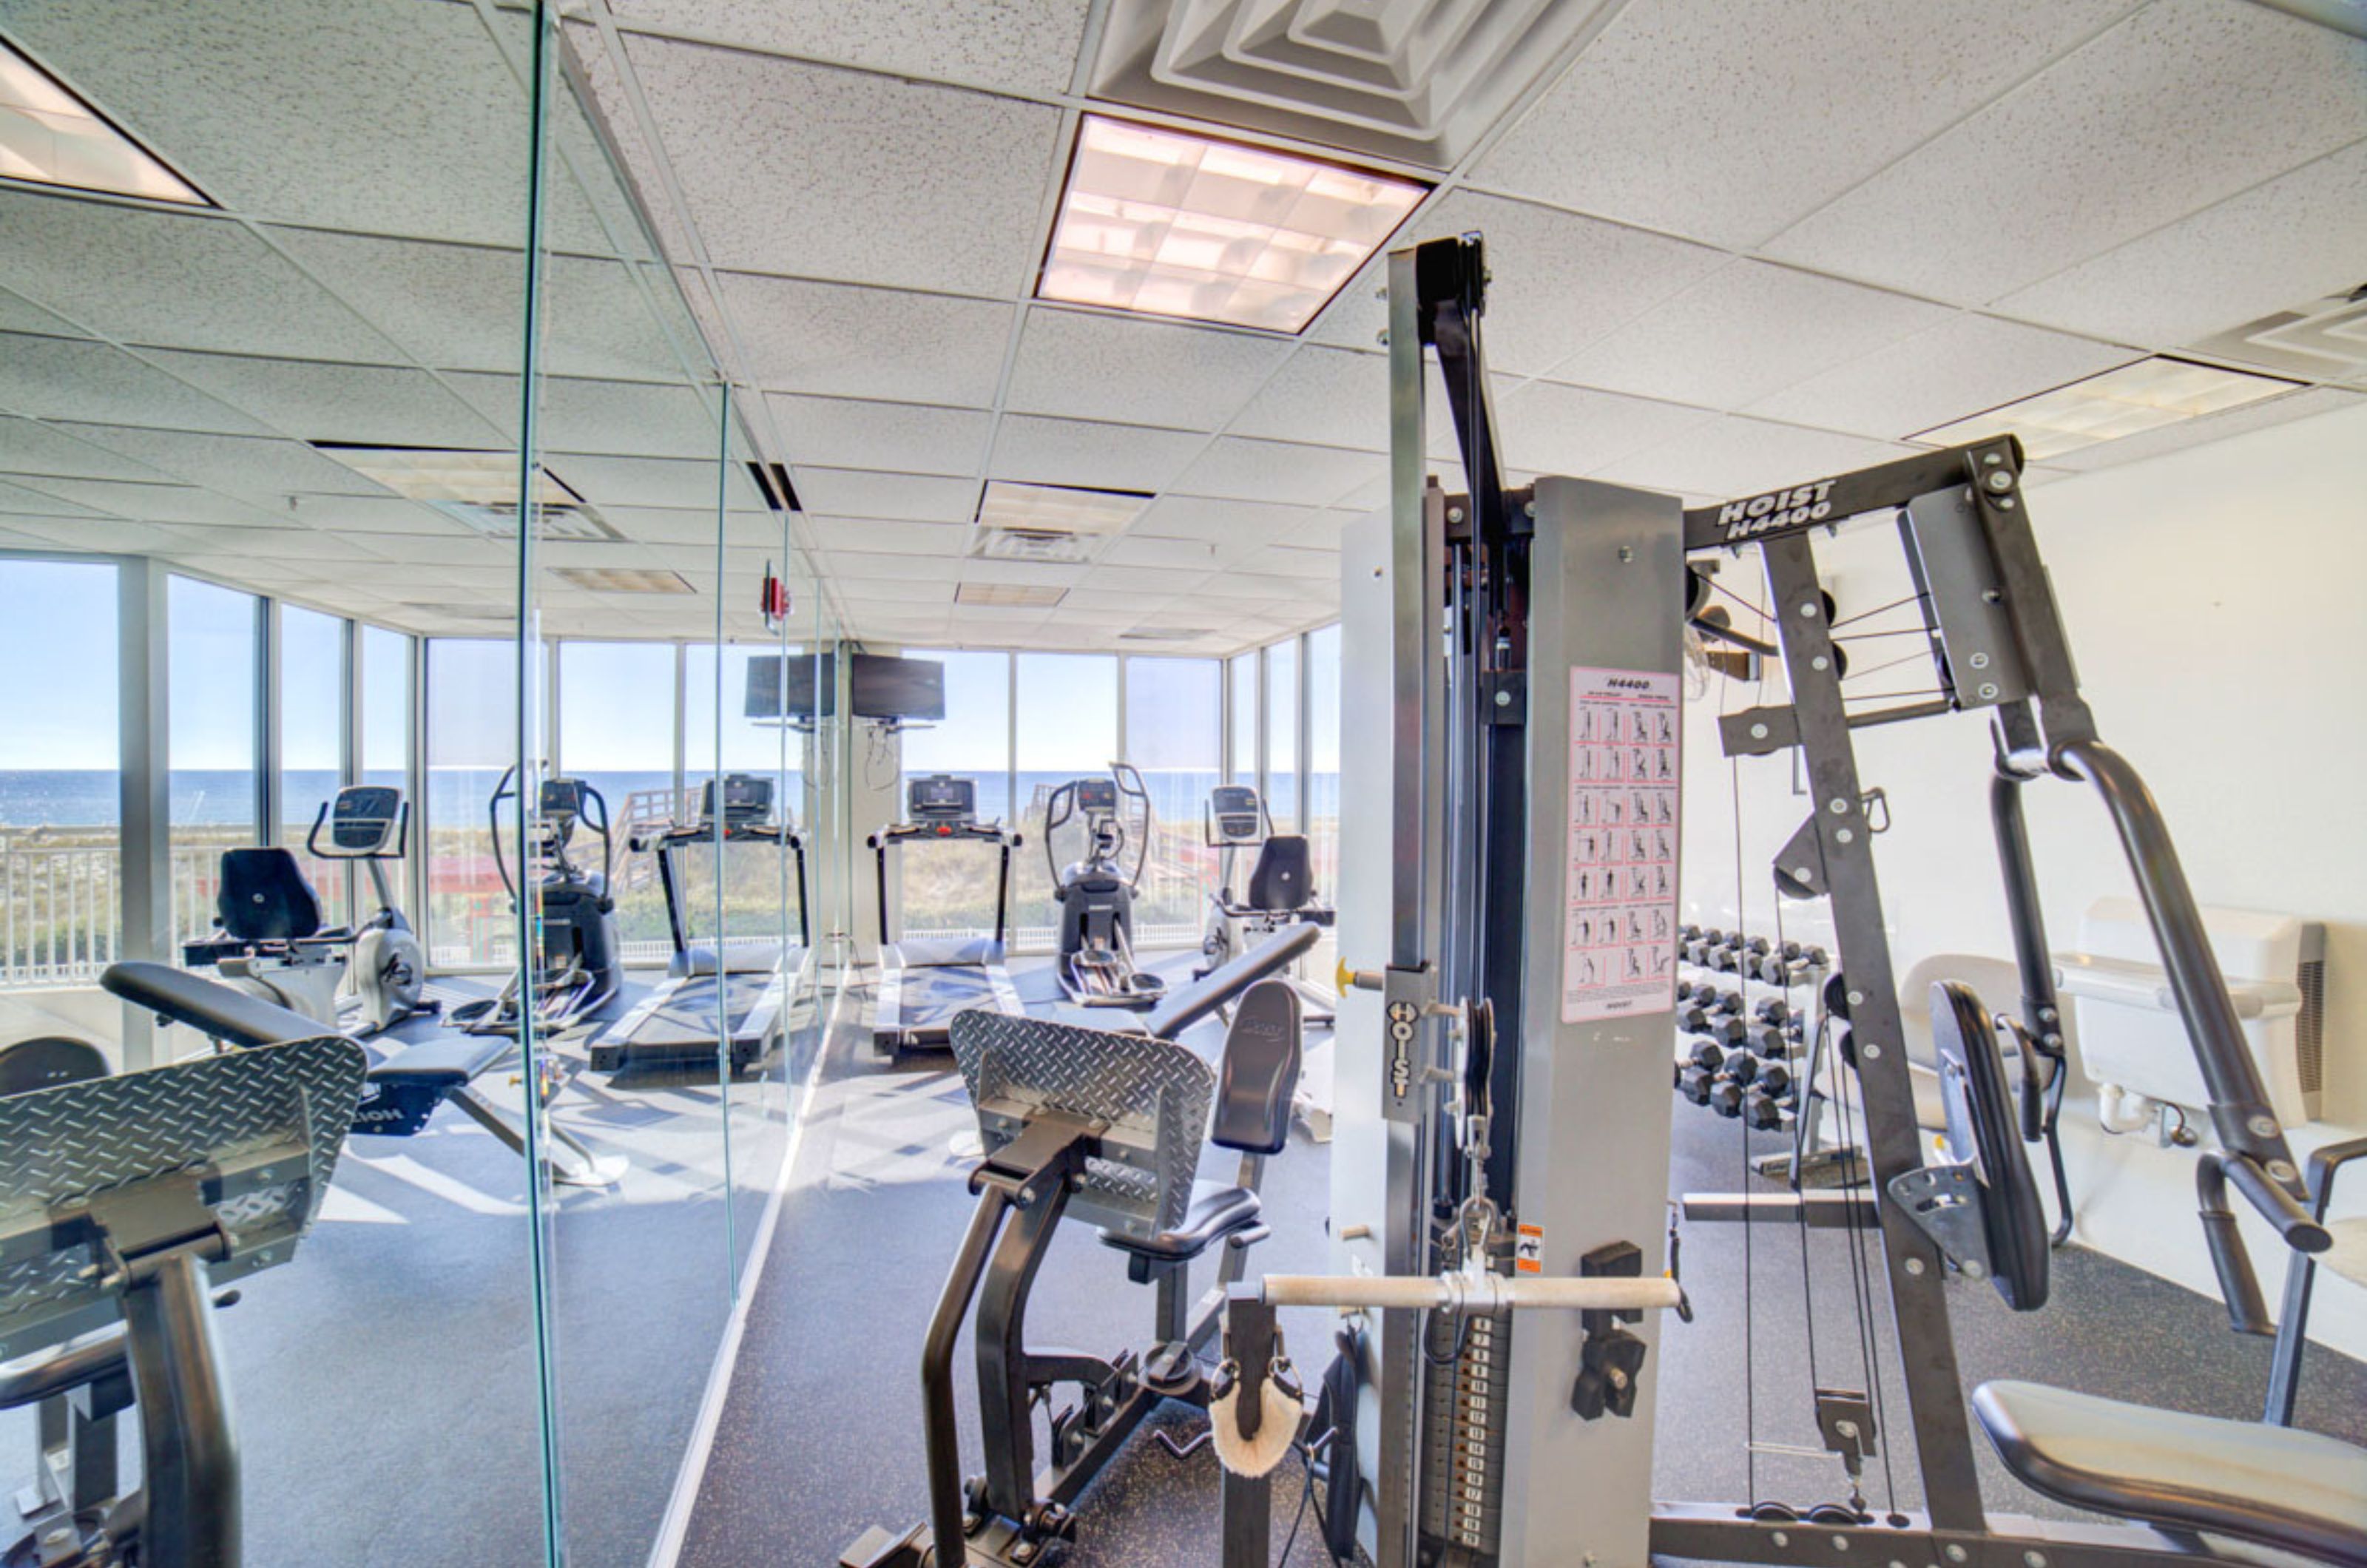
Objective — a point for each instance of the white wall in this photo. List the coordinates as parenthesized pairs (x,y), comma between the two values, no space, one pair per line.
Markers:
(2213,601)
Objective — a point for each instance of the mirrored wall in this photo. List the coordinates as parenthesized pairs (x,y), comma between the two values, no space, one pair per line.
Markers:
(355,436)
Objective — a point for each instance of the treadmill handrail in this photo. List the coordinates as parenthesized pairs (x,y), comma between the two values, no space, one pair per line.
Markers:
(927,832)
(1195,1002)
(219,1011)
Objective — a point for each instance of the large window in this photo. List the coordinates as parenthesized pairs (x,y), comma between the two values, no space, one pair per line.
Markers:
(617,733)
(215,647)
(753,874)
(61,784)
(471,737)
(1174,734)
(948,888)
(1067,727)
(1322,804)
(312,740)
(1282,735)
(386,738)
(1241,671)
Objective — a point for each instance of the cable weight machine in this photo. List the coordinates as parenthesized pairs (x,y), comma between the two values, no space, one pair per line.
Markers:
(1503,1110)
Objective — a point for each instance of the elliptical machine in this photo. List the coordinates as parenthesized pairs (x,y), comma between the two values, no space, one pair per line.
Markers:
(268,940)
(1096,893)
(579,970)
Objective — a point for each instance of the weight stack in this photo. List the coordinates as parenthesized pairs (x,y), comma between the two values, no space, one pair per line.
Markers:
(1465,1398)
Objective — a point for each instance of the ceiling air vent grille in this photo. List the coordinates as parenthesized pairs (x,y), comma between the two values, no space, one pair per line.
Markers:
(1419,80)
(2323,341)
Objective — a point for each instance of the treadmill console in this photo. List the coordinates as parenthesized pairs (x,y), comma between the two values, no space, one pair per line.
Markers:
(1235,815)
(941,800)
(747,798)
(1097,797)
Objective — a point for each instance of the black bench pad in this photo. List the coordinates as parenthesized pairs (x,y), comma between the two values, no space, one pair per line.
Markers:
(2298,1491)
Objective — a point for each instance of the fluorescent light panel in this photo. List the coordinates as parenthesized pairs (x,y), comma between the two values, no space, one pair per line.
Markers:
(447,474)
(1035,594)
(1061,508)
(1172,224)
(623,579)
(2125,402)
(49,136)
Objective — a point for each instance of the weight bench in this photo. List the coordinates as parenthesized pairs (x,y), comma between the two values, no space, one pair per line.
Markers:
(124,1203)
(2192,1477)
(1106,1127)
(403,1089)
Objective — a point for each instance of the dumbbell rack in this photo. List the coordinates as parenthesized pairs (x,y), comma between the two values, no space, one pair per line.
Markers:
(1749,1020)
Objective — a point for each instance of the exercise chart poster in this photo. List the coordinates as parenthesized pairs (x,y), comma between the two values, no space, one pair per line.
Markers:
(1619,945)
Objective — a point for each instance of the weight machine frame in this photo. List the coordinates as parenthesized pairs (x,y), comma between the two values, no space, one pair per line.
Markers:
(1998,643)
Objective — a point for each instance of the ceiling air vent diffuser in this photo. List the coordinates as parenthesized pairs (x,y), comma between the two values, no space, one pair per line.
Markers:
(1419,80)
(1050,524)
(2323,341)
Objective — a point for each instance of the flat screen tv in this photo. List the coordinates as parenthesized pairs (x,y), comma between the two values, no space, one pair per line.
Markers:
(796,687)
(897,688)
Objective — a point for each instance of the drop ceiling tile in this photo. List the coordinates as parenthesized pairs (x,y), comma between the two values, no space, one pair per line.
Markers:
(1094,364)
(1130,600)
(680,482)
(1287,563)
(99,264)
(1559,280)
(875,567)
(459,307)
(1960,367)
(381,404)
(1279,470)
(1023,573)
(1081,452)
(371,514)
(69,379)
(1321,529)
(890,538)
(894,590)
(640,418)
(157,503)
(842,341)
(1556,429)
(260,468)
(1013,46)
(1727,122)
(71,451)
(910,438)
(2158,118)
(2305,403)
(19,314)
(2275,247)
(1237,583)
(1102,581)
(1742,332)
(313,111)
(857,177)
(103,535)
(1177,555)
(1218,520)
(443,550)
(912,498)
(1733,456)
(17,499)
(1333,397)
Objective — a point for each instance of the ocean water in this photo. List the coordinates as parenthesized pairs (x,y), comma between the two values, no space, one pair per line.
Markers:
(459,797)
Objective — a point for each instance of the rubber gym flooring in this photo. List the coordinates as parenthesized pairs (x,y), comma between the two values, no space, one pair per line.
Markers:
(384,1382)
(821,1437)
(387,1407)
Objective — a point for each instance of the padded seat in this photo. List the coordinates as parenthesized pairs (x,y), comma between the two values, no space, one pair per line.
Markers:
(449,1062)
(2347,1258)
(2299,1492)
(1216,1211)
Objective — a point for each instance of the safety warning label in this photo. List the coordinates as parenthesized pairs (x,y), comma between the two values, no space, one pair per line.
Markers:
(1619,949)
(1529,1251)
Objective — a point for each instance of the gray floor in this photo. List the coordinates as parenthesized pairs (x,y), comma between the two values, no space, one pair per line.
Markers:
(821,1437)
(384,1382)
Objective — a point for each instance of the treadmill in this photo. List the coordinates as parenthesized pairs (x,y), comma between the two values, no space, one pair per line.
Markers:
(924,981)
(677,1025)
